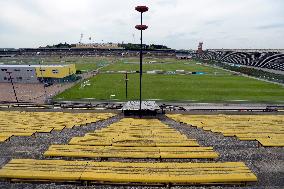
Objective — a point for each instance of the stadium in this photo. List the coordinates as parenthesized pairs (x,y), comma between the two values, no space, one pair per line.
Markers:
(129,115)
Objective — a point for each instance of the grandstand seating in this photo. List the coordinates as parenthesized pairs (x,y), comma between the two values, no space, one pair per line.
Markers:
(140,138)
(29,52)
(133,138)
(269,60)
(15,123)
(268,130)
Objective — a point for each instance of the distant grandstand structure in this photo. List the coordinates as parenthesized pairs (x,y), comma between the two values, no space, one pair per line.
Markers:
(261,58)
(83,52)
(98,45)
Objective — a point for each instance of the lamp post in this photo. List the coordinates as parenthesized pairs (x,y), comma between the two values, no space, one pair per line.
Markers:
(141,27)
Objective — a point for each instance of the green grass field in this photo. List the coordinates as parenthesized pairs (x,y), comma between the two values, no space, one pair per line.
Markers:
(132,64)
(199,88)
(215,85)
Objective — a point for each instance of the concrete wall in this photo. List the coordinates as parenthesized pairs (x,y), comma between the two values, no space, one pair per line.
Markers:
(19,74)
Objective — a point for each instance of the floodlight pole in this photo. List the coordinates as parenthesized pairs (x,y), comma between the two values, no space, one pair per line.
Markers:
(141,57)
(11,80)
(141,27)
(126,81)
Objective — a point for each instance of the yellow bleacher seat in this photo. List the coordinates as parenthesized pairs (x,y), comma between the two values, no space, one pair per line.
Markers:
(15,123)
(125,172)
(267,129)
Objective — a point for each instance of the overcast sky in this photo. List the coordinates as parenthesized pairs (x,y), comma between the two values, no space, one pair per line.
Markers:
(178,24)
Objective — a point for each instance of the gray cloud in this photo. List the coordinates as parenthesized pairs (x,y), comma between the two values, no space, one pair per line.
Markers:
(176,23)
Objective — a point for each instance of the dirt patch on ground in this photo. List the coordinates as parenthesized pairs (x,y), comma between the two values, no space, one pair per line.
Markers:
(35,93)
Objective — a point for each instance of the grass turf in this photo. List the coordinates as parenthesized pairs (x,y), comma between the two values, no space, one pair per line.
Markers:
(200,88)
(167,64)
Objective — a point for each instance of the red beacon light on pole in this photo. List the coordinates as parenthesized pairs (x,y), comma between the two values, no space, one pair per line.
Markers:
(141,9)
(141,27)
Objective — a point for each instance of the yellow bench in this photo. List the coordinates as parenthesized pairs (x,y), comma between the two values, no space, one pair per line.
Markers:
(267,129)
(124,172)
(127,142)
(15,123)
(130,152)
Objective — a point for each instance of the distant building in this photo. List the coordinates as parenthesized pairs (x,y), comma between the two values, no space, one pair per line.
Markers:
(199,49)
(183,56)
(98,45)
(37,73)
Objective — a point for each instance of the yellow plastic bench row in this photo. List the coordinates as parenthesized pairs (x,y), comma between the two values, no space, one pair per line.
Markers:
(267,129)
(128,139)
(91,141)
(15,123)
(270,142)
(135,132)
(130,152)
(124,172)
